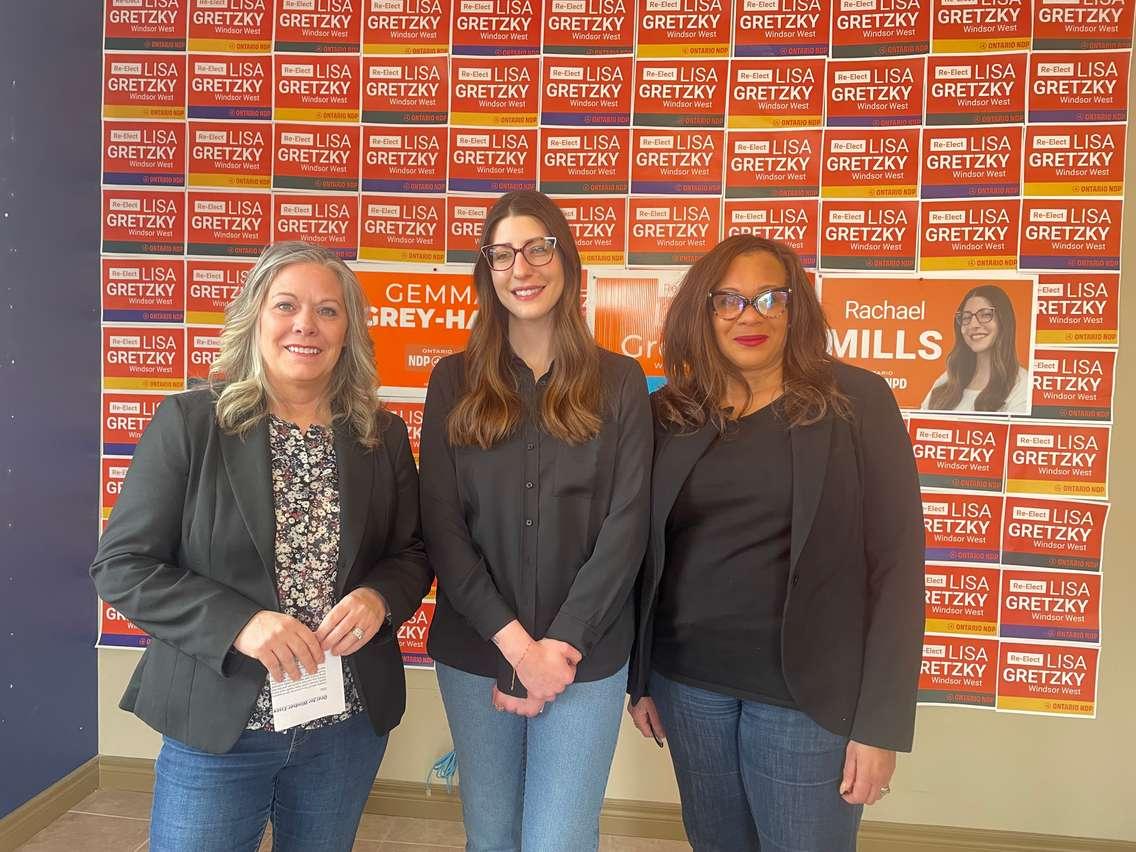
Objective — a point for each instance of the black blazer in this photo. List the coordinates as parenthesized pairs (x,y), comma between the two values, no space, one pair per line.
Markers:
(189,556)
(852,630)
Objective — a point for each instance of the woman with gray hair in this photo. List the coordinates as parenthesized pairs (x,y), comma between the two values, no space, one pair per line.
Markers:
(268,520)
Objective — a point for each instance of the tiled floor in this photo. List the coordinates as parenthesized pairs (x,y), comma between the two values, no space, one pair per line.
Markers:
(117,821)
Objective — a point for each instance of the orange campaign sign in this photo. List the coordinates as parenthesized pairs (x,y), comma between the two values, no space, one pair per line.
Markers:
(118,631)
(958,671)
(143,153)
(677,162)
(874,93)
(143,289)
(979,235)
(228,224)
(683,28)
(496,27)
(1073,384)
(144,86)
(230,87)
(417,318)
(1078,161)
(492,160)
(671,231)
(979,26)
(962,527)
(113,476)
(494,92)
(406,26)
(579,91)
(1058,534)
(137,358)
(773,163)
(318,26)
(599,227)
(317,88)
(1069,460)
(314,156)
(904,329)
(588,27)
(1078,310)
(230,154)
(230,26)
(202,347)
(1078,87)
(681,93)
(325,220)
(125,418)
(404,159)
(401,229)
(410,412)
(144,25)
(869,235)
(794,222)
(412,636)
(963,454)
(1050,606)
(978,89)
(781,27)
(971,162)
(584,161)
(143,221)
(405,89)
(210,286)
(880,28)
(1070,234)
(961,599)
(870,163)
(1096,25)
(776,93)
(629,311)
(465,217)
(1056,680)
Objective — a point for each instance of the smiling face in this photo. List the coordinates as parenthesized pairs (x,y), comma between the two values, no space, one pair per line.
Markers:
(529,293)
(752,343)
(979,336)
(302,329)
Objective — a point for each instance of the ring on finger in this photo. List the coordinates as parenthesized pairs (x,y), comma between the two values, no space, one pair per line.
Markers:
(358,633)
(884,790)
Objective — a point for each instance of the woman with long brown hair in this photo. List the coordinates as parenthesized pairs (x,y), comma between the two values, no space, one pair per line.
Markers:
(983,373)
(535,463)
(780,615)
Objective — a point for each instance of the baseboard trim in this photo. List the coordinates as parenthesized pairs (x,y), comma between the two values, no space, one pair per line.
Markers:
(662,821)
(36,814)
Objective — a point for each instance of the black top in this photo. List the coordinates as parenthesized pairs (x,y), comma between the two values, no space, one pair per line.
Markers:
(718,622)
(536,529)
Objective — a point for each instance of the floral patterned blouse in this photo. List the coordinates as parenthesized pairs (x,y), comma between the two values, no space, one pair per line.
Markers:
(305,493)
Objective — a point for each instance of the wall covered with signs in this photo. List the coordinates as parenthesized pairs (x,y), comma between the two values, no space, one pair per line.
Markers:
(909,150)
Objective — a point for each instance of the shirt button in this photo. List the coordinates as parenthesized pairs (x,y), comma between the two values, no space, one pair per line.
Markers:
(530,446)
(528,485)
(528,522)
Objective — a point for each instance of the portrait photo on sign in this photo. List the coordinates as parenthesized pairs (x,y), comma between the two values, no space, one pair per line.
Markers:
(958,344)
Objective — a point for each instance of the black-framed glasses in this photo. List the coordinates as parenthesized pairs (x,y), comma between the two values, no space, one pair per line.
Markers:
(538,251)
(771,304)
(985,316)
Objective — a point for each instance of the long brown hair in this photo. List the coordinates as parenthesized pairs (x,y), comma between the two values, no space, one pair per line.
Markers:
(490,408)
(963,361)
(699,375)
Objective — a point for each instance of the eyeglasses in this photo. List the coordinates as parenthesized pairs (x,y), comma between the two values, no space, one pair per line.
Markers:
(538,251)
(771,304)
(985,316)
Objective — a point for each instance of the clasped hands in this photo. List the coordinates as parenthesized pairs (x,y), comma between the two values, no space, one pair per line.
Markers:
(544,666)
(284,645)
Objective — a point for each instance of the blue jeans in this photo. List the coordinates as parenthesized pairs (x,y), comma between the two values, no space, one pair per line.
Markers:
(313,785)
(753,776)
(534,784)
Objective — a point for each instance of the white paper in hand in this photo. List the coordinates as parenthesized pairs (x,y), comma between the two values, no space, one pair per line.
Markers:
(313,696)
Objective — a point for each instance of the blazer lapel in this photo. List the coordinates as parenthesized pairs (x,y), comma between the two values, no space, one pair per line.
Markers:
(673,462)
(810,463)
(356,470)
(247,465)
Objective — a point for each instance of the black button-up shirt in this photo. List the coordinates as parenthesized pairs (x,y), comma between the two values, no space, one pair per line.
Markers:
(536,529)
